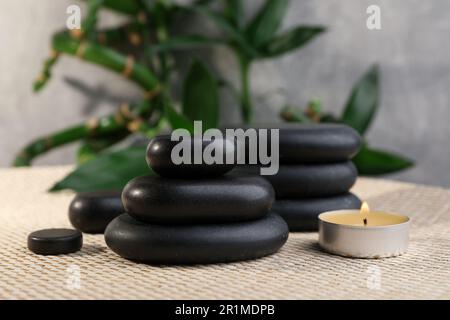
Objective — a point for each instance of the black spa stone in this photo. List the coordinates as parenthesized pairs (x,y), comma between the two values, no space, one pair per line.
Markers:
(91,212)
(55,241)
(301,214)
(315,143)
(159,158)
(180,201)
(304,181)
(195,244)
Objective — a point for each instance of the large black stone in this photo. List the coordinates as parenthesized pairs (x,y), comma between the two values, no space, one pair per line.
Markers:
(301,214)
(179,201)
(192,244)
(90,212)
(314,143)
(308,180)
(159,158)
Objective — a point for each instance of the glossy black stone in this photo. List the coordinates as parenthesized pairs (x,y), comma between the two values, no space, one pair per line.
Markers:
(91,212)
(180,201)
(55,241)
(193,244)
(159,159)
(301,214)
(308,180)
(314,143)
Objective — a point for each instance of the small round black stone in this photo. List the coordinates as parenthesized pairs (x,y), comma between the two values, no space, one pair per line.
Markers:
(90,212)
(314,143)
(159,158)
(307,180)
(55,241)
(193,244)
(301,214)
(181,201)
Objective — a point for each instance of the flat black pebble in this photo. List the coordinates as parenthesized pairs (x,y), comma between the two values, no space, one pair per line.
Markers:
(159,159)
(180,201)
(55,241)
(90,212)
(315,143)
(309,180)
(301,214)
(192,244)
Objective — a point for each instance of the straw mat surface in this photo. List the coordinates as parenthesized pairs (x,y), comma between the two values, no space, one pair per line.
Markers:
(299,271)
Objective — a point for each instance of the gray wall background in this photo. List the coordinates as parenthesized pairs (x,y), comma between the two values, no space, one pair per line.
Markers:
(412,48)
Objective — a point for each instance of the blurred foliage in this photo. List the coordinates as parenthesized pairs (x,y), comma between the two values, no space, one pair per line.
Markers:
(144,50)
(358,113)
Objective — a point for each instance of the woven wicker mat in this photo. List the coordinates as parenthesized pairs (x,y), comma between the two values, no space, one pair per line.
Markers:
(299,271)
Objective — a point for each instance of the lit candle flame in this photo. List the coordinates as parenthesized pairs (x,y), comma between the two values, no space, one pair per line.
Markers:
(364,211)
(364,208)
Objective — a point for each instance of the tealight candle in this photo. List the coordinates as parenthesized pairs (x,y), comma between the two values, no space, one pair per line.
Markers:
(363,233)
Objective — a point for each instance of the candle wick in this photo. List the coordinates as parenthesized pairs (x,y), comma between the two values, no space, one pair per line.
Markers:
(365,222)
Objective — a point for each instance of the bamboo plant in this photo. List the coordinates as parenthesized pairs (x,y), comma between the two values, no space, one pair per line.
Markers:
(150,31)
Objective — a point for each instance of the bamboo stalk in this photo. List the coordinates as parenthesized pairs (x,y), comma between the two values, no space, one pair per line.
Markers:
(90,147)
(106,57)
(87,28)
(120,34)
(106,37)
(288,114)
(90,45)
(42,79)
(98,127)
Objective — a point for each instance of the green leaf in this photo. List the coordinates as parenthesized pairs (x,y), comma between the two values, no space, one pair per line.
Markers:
(375,162)
(177,120)
(235,36)
(289,114)
(201,96)
(90,21)
(109,171)
(130,7)
(234,11)
(91,147)
(329,118)
(267,22)
(187,42)
(315,105)
(291,40)
(363,101)
(203,2)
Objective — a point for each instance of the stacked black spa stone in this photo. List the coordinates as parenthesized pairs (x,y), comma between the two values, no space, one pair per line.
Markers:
(194,213)
(315,172)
